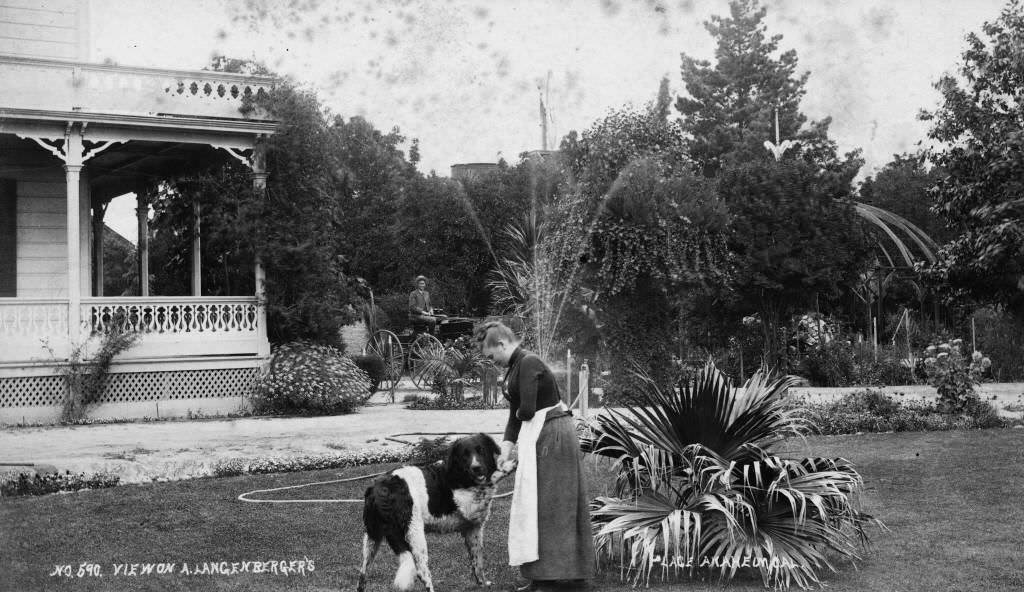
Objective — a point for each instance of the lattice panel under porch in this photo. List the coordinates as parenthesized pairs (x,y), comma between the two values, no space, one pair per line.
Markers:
(31,391)
(135,387)
(179,384)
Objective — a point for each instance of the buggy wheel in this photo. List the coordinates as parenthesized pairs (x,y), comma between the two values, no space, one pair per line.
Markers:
(426,357)
(385,345)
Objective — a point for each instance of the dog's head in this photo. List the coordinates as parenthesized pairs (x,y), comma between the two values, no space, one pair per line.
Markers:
(472,460)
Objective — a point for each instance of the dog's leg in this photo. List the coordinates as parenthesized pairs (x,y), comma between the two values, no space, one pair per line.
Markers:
(474,539)
(370,548)
(418,542)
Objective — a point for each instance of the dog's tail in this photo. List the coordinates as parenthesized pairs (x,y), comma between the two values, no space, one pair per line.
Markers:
(405,577)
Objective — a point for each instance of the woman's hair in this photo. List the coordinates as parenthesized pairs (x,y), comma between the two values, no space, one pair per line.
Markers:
(490,333)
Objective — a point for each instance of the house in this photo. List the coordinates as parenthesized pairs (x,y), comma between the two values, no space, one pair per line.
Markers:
(473,170)
(74,135)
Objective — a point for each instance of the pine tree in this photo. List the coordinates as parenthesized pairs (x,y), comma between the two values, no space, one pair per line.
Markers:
(730,110)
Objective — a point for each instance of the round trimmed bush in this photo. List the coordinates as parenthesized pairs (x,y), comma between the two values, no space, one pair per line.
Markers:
(374,367)
(310,379)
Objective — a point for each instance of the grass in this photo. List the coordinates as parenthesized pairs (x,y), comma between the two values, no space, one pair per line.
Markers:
(951,500)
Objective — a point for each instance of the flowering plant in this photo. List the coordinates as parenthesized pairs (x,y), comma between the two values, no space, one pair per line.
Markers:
(954,376)
(309,378)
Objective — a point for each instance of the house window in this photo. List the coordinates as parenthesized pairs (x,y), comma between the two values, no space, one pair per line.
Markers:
(8,238)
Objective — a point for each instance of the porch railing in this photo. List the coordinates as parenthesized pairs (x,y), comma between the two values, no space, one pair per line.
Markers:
(179,326)
(36,330)
(24,317)
(33,329)
(171,315)
(35,83)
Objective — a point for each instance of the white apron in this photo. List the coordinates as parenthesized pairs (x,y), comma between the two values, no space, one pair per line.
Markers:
(522,530)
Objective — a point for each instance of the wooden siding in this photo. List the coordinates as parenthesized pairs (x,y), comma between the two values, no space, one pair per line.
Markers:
(57,29)
(42,238)
(8,238)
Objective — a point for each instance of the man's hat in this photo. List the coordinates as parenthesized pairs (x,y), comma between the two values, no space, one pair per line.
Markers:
(418,278)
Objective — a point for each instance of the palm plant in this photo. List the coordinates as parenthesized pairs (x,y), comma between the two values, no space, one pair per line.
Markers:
(454,367)
(698,486)
(530,283)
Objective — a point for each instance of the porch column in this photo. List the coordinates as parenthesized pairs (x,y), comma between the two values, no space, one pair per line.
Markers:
(197,270)
(259,185)
(142,213)
(98,214)
(72,173)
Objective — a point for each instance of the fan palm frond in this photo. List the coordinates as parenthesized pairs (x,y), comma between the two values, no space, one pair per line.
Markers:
(697,483)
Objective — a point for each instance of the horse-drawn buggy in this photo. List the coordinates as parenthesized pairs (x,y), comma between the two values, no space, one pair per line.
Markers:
(411,351)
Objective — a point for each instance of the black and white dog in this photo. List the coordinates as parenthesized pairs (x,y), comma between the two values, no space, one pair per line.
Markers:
(450,496)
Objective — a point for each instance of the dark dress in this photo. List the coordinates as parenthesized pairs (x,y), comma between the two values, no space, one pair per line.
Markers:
(565,542)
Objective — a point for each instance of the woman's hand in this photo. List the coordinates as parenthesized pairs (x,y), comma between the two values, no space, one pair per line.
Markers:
(507,458)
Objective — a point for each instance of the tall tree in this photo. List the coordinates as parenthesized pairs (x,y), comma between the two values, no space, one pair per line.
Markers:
(980,125)
(375,178)
(651,231)
(730,109)
(795,236)
(793,232)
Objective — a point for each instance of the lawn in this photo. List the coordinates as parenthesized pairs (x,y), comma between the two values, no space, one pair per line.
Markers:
(953,502)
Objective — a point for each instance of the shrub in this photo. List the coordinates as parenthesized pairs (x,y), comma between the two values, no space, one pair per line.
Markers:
(999,333)
(374,367)
(985,416)
(828,365)
(394,315)
(874,411)
(449,401)
(310,379)
(232,467)
(428,450)
(842,363)
(454,367)
(954,376)
(55,482)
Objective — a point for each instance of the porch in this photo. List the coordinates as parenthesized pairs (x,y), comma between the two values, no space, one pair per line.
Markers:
(74,136)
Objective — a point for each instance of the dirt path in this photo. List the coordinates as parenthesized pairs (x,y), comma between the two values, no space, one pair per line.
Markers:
(139,452)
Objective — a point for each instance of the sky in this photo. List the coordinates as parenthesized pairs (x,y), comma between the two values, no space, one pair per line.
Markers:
(465,77)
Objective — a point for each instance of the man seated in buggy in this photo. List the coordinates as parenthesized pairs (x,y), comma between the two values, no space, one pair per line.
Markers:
(421,314)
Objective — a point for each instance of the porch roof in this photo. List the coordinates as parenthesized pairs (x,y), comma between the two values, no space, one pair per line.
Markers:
(62,85)
(134,123)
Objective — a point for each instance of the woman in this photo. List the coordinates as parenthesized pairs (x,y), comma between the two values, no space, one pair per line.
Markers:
(549,525)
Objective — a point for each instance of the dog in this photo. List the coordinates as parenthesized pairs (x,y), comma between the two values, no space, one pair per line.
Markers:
(450,496)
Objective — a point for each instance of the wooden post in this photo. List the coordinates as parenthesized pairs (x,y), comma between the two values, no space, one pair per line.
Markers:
(485,386)
(259,185)
(568,376)
(98,213)
(142,213)
(974,336)
(910,351)
(584,383)
(197,264)
(72,173)
(874,335)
